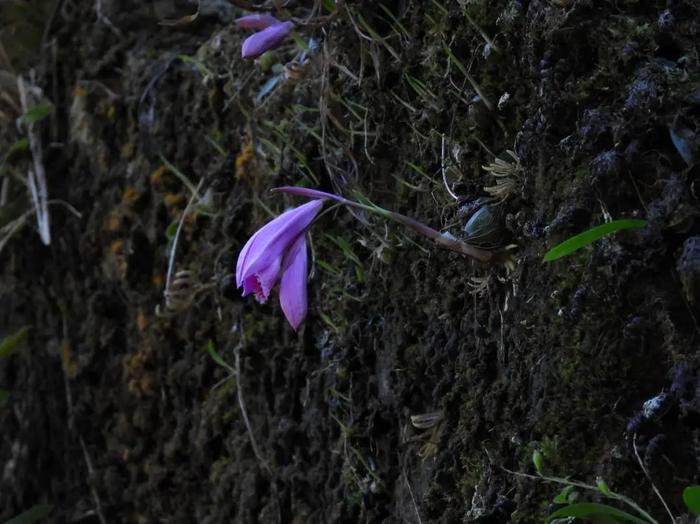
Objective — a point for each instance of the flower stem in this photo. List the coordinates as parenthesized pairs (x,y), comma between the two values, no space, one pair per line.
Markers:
(443,241)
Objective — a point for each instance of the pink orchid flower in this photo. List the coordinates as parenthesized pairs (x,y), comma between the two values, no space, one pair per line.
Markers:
(272,33)
(277,251)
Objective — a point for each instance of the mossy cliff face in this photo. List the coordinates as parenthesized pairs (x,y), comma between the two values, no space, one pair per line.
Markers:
(116,407)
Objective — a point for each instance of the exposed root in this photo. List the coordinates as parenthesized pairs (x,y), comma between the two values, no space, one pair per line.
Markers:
(507,175)
(101,17)
(244,411)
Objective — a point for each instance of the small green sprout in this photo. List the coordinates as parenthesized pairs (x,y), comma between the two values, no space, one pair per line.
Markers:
(588,237)
(329,6)
(568,495)
(602,486)
(199,66)
(691,497)
(214,354)
(538,461)
(231,373)
(20,145)
(35,114)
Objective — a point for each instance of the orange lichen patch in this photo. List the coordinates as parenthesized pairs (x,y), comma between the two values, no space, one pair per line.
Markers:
(157,280)
(158,178)
(116,247)
(143,385)
(139,380)
(70,368)
(115,221)
(174,200)
(127,150)
(116,263)
(142,321)
(245,161)
(80,91)
(130,197)
(191,219)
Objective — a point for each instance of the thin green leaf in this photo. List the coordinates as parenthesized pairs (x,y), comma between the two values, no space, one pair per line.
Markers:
(329,5)
(211,349)
(180,175)
(327,320)
(36,113)
(34,514)
(4,395)
(563,496)
(13,342)
(171,229)
(346,248)
(329,268)
(300,42)
(216,146)
(360,274)
(596,512)
(199,66)
(21,145)
(587,237)
(691,497)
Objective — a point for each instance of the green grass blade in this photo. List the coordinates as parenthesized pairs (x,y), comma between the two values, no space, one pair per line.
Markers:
(596,512)
(200,67)
(20,145)
(35,114)
(38,513)
(9,344)
(587,237)
(211,349)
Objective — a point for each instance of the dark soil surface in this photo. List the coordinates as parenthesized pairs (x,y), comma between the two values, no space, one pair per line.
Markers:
(420,380)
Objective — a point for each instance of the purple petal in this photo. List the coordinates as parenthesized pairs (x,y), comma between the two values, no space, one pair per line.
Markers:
(293,283)
(306,192)
(257,21)
(243,256)
(267,39)
(267,246)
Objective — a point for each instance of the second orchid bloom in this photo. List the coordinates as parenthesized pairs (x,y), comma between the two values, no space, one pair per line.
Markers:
(271,33)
